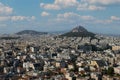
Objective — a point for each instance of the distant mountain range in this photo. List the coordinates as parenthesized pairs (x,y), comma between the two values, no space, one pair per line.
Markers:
(79,31)
(30,32)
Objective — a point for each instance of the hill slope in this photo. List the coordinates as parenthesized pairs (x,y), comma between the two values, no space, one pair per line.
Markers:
(30,32)
(79,31)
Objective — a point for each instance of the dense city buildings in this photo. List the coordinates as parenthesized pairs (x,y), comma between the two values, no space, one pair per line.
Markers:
(48,57)
(59,39)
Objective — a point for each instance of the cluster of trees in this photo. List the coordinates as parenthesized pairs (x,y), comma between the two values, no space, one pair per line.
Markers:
(91,47)
(109,71)
(9,38)
(79,34)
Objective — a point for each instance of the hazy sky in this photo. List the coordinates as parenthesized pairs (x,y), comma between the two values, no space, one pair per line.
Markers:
(101,16)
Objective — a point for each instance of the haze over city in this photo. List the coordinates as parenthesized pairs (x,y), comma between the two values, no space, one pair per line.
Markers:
(99,16)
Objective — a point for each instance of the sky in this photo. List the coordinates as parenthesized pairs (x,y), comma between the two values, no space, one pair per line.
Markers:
(99,16)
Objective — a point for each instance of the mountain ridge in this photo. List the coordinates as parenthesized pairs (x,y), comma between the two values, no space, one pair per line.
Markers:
(79,31)
(31,32)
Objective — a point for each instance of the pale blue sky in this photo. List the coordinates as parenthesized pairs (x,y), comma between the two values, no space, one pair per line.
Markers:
(101,16)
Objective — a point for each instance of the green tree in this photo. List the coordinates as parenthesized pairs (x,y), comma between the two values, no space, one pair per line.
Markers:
(110,71)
